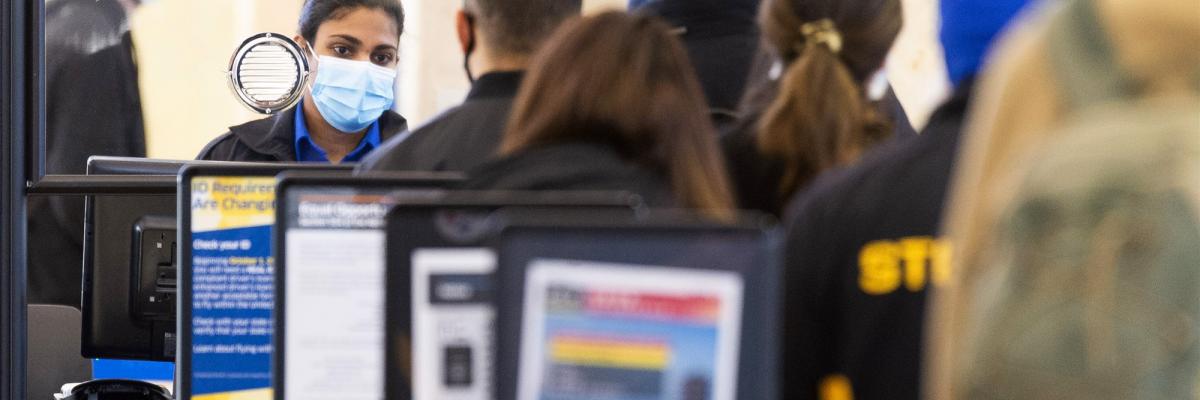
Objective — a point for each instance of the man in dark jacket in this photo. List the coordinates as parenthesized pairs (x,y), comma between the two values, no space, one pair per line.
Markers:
(862,245)
(722,42)
(497,39)
(93,108)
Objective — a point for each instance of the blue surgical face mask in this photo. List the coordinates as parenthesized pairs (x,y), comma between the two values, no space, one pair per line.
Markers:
(352,94)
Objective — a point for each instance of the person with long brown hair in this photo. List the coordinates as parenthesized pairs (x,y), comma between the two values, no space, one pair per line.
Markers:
(611,103)
(819,116)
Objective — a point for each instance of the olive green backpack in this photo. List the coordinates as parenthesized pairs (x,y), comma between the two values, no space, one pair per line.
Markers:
(1091,288)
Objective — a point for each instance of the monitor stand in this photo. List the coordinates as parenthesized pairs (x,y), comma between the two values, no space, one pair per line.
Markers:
(118,389)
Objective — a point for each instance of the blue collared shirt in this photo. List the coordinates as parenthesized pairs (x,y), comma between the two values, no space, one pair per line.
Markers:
(307,151)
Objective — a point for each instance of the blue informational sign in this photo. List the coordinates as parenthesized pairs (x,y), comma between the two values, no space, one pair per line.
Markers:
(232,286)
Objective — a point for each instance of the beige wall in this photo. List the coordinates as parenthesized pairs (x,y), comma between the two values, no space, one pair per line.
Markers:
(183,51)
(916,67)
(590,6)
(184,48)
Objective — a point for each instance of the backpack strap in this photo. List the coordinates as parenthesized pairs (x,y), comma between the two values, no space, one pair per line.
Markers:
(1083,60)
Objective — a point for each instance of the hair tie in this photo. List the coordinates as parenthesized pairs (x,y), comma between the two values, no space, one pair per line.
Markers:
(822,32)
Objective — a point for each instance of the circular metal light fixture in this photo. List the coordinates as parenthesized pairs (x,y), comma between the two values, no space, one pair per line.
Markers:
(268,73)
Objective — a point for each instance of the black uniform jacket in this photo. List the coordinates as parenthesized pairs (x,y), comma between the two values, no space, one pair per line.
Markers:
(756,177)
(273,139)
(571,166)
(460,138)
(862,250)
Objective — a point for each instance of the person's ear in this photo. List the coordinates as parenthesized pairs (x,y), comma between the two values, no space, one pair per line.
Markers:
(464,25)
(305,46)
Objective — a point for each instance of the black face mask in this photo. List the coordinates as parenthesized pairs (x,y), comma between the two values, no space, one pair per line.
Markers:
(470,48)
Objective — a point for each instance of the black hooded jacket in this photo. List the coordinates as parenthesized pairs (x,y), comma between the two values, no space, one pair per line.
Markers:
(862,253)
(273,139)
(571,166)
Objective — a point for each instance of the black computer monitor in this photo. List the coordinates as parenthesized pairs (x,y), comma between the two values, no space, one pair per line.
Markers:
(671,308)
(128,263)
(329,286)
(129,259)
(439,309)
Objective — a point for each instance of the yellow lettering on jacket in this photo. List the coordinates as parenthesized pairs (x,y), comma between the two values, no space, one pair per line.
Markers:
(879,267)
(885,265)
(835,387)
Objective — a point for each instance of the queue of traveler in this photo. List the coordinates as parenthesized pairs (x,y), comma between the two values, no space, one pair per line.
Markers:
(641,101)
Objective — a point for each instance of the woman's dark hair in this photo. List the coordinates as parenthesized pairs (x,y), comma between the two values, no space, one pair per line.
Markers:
(624,81)
(820,116)
(316,12)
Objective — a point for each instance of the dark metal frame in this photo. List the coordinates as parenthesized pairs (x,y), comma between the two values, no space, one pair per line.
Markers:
(17,119)
(23,173)
(29,39)
(102,184)
(35,137)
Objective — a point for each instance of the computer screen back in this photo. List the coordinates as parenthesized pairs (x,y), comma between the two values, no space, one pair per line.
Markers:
(329,319)
(439,305)
(121,317)
(642,311)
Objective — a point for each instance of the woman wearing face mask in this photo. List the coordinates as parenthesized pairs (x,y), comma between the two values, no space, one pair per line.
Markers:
(346,110)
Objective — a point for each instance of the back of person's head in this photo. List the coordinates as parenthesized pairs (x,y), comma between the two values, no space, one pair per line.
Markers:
(518,27)
(623,81)
(968,29)
(316,12)
(821,116)
(702,15)
(721,37)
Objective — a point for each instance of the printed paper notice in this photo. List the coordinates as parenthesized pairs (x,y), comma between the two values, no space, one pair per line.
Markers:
(453,319)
